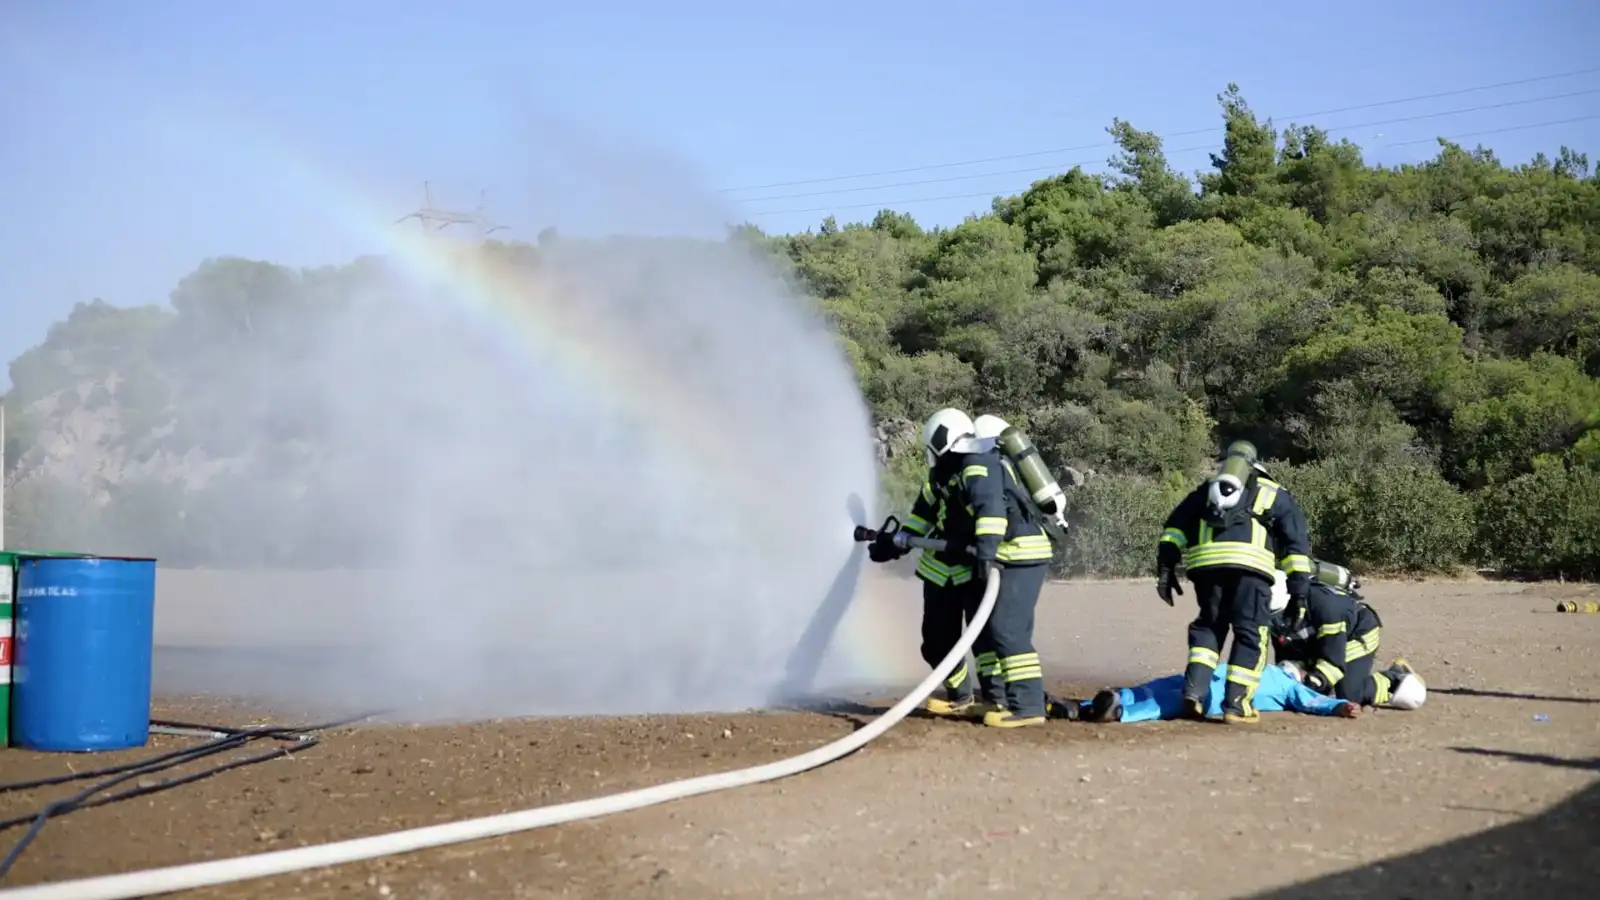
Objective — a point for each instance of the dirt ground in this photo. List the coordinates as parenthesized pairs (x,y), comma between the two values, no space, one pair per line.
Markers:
(1492,789)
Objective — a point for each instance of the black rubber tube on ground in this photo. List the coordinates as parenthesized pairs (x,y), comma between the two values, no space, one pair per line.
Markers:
(114,775)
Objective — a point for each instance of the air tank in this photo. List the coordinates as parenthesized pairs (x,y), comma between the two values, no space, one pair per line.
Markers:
(1031,469)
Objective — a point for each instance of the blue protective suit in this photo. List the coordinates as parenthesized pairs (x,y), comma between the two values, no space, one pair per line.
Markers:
(1162,698)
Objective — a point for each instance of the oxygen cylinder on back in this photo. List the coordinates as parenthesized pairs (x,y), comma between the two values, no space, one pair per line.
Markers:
(1335,576)
(1031,469)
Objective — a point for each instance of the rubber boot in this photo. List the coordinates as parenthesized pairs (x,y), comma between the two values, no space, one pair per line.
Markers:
(1237,708)
(1063,708)
(1196,691)
(955,703)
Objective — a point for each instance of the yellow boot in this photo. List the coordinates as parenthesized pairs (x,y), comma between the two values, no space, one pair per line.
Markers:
(958,708)
(1005,718)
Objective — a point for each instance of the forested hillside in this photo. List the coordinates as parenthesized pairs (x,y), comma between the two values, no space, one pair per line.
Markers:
(1418,349)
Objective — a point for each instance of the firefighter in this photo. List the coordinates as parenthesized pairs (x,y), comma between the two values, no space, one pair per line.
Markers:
(970,499)
(1332,639)
(1232,533)
(950,597)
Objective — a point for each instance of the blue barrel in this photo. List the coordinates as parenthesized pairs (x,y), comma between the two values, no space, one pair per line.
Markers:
(85,627)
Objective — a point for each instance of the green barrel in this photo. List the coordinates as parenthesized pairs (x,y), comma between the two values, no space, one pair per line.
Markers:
(9,560)
(8,589)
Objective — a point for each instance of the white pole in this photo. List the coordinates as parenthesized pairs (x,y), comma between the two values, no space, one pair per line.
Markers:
(3,473)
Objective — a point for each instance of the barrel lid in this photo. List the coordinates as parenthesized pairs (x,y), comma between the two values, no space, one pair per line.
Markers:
(14,558)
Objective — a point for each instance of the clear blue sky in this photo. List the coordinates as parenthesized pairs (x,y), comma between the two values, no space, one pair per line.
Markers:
(138,137)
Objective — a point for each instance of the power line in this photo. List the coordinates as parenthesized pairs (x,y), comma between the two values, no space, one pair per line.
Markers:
(884,204)
(1035,153)
(1496,131)
(1085,162)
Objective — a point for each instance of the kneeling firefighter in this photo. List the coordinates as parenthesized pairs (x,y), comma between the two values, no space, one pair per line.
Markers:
(1331,639)
(970,499)
(1233,533)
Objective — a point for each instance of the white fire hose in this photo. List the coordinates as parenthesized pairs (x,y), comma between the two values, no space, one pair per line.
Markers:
(243,868)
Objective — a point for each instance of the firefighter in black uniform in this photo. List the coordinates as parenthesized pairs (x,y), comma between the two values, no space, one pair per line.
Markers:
(1333,637)
(1232,534)
(971,499)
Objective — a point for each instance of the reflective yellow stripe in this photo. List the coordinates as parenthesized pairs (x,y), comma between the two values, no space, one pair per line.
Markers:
(988,664)
(957,678)
(975,471)
(1385,688)
(927,492)
(1251,680)
(1204,656)
(995,525)
(1252,555)
(915,525)
(1174,536)
(1330,630)
(1329,671)
(1022,667)
(1265,497)
(938,573)
(1229,553)
(1026,548)
(1295,563)
(1362,645)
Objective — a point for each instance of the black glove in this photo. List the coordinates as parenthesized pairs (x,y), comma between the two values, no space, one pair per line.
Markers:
(883,548)
(980,569)
(1167,584)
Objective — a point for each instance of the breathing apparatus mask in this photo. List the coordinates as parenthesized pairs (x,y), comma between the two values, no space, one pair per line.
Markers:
(1228,485)
(1285,618)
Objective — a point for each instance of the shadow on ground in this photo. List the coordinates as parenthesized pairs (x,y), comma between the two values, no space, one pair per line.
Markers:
(1550,856)
(1507,695)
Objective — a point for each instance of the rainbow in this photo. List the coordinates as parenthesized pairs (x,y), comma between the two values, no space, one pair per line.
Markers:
(877,639)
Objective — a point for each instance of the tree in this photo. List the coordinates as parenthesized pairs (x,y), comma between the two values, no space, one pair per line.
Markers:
(1413,347)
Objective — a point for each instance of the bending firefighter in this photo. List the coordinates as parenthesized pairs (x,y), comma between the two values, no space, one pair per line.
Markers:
(971,498)
(1163,698)
(1330,642)
(1233,533)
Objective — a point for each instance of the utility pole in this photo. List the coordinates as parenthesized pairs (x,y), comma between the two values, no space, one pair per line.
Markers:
(432,218)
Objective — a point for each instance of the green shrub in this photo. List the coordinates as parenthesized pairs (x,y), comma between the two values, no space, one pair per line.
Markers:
(1396,517)
(1545,523)
(1115,525)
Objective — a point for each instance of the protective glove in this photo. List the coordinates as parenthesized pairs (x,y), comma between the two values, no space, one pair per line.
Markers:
(1167,584)
(886,547)
(980,569)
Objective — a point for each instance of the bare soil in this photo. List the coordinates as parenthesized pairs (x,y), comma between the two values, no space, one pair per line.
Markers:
(1492,789)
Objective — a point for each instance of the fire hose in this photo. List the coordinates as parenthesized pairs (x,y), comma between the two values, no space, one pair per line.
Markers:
(151,882)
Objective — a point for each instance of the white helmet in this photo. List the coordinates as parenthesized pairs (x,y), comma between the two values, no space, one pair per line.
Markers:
(1293,670)
(948,430)
(1411,693)
(987,427)
(1280,592)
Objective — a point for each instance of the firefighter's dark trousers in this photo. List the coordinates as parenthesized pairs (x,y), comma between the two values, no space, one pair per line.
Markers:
(945,613)
(1359,684)
(1228,599)
(1011,634)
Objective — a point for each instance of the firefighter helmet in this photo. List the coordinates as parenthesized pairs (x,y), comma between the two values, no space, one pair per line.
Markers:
(948,430)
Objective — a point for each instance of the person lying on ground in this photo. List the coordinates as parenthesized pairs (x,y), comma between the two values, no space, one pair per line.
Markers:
(1162,699)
